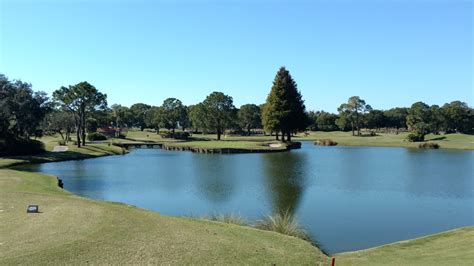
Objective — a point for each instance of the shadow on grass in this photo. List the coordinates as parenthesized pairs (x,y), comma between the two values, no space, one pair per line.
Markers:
(198,139)
(438,138)
(368,135)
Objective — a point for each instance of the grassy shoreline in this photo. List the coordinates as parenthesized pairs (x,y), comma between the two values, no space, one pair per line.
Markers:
(448,141)
(107,232)
(128,229)
(74,153)
(453,247)
(72,229)
(232,144)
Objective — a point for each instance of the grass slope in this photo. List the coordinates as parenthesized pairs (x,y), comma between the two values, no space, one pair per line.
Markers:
(454,247)
(74,153)
(75,230)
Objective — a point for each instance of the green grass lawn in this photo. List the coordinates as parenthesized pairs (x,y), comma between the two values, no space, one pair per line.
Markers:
(226,144)
(75,230)
(147,136)
(208,141)
(89,151)
(448,141)
(454,247)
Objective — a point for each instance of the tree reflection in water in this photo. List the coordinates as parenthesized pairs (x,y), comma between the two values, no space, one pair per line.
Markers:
(284,174)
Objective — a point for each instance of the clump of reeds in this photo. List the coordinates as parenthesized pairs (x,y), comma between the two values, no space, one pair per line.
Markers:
(429,145)
(283,223)
(325,142)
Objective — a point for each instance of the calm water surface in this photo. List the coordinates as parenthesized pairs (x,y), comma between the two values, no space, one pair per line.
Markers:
(348,198)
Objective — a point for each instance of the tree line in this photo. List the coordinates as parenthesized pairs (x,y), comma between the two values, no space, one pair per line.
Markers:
(419,119)
(83,109)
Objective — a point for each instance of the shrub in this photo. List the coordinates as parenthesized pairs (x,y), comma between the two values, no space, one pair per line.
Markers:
(62,142)
(96,136)
(283,223)
(176,135)
(39,133)
(20,146)
(429,145)
(325,142)
(92,125)
(415,137)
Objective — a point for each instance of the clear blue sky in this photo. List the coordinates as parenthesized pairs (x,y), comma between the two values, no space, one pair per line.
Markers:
(391,53)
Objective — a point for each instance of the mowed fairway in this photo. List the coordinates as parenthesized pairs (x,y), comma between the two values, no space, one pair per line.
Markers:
(73,153)
(454,247)
(75,230)
(448,141)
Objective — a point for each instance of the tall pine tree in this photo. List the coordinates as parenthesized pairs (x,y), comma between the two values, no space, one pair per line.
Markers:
(284,110)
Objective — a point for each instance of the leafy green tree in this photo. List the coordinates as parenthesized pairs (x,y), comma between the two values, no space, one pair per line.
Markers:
(284,110)
(326,121)
(249,116)
(353,111)
(418,119)
(397,118)
(154,118)
(139,111)
(458,116)
(92,125)
(21,109)
(219,112)
(312,117)
(437,120)
(184,120)
(173,112)
(81,100)
(101,118)
(376,119)
(122,116)
(197,114)
(323,121)
(60,122)
(4,125)
(343,122)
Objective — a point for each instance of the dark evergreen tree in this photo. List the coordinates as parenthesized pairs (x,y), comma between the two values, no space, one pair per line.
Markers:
(284,109)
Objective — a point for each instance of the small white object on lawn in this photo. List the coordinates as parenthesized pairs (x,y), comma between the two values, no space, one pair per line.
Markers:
(60,148)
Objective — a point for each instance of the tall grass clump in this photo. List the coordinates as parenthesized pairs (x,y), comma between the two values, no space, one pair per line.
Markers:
(283,223)
(415,137)
(325,142)
(429,145)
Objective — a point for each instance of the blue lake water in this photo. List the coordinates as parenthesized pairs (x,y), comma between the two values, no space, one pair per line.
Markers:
(347,198)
